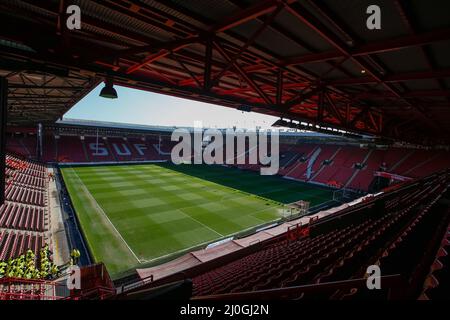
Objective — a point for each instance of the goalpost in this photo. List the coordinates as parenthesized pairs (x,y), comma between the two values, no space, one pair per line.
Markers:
(295,210)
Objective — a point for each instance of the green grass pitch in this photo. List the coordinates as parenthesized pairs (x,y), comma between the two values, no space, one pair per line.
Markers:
(139,215)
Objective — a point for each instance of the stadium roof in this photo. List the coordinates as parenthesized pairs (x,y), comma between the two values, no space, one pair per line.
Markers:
(305,60)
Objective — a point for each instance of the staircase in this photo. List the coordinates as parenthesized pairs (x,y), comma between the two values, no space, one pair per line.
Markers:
(322,167)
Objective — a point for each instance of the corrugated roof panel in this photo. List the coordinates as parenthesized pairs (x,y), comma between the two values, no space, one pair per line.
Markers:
(27,7)
(269,39)
(101,33)
(15,45)
(436,99)
(102,13)
(200,50)
(175,13)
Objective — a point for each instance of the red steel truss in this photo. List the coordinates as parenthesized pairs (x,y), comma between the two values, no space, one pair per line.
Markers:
(326,70)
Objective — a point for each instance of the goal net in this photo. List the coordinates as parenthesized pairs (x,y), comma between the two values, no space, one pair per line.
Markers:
(295,210)
(339,195)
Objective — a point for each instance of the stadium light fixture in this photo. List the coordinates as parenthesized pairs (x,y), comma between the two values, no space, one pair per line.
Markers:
(108,90)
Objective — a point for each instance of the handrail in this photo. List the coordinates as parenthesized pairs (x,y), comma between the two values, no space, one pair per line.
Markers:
(389,281)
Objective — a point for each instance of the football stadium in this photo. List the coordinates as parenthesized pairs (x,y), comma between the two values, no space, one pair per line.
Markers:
(343,196)
(187,209)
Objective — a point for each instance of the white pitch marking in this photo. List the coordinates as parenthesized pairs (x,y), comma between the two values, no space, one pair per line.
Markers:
(100,209)
(207,227)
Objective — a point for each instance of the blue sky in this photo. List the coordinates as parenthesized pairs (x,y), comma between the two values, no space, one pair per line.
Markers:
(140,107)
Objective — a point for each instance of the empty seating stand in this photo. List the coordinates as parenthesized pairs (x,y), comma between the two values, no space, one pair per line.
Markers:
(24,217)
(437,285)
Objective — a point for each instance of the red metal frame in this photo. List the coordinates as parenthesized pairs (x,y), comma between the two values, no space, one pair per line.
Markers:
(233,70)
(23,289)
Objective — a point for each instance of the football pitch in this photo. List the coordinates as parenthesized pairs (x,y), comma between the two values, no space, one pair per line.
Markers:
(138,215)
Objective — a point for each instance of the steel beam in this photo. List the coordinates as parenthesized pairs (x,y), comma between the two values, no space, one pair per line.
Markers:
(154,57)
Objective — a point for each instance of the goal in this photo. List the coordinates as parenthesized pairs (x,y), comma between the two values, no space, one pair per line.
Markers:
(295,210)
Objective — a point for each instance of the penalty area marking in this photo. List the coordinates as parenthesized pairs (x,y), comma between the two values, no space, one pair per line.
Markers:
(187,250)
(102,212)
(141,261)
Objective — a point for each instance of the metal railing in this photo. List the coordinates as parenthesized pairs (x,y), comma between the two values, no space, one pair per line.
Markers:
(391,282)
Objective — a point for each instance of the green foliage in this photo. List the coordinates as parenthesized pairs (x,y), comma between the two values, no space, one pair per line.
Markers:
(28,266)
